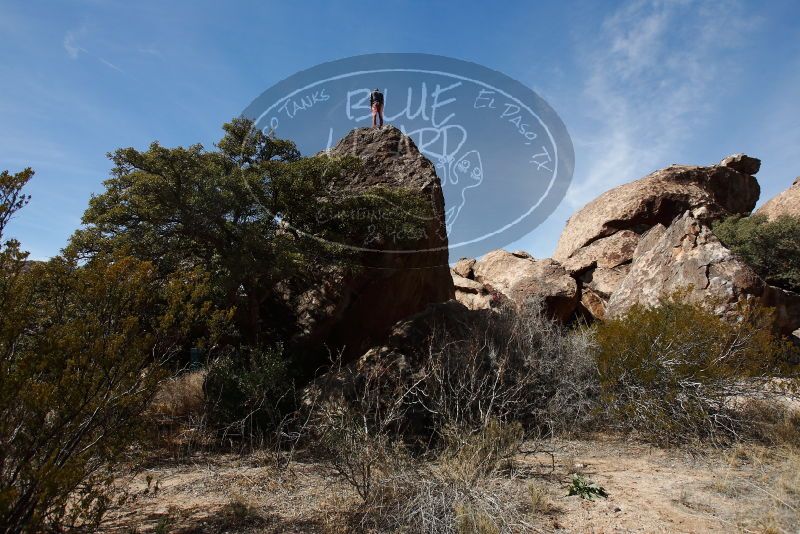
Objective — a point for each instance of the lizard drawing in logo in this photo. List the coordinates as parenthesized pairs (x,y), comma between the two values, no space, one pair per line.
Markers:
(458,173)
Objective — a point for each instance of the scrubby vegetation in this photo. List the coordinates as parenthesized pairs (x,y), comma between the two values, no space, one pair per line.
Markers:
(81,349)
(772,248)
(185,249)
(195,249)
(673,372)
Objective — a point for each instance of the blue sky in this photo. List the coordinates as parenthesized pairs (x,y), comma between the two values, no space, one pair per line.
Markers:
(639,85)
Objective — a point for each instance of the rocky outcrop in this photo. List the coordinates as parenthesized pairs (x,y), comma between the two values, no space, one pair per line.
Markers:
(785,203)
(742,163)
(517,277)
(351,310)
(659,198)
(472,294)
(598,242)
(687,257)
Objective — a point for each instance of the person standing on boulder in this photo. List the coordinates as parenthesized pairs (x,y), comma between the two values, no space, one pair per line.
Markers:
(376,103)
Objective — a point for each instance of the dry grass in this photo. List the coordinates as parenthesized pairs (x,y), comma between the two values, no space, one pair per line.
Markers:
(768,496)
(178,412)
(748,488)
(180,397)
(539,498)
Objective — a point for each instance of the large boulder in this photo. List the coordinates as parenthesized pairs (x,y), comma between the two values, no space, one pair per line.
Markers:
(742,163)
(599,267)
(350,310)
(687,257)
(598,241)
(659,198)
(785,203)
(515,276)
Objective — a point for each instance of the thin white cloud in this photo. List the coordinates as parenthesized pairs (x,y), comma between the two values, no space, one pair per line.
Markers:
(71,45)
(74,49)
(650,76)
(110,65)
(150,51)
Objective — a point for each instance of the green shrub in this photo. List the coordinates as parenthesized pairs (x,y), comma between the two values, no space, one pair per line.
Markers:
(772,248)
(80,351)
(83,349)
(671,372)
(585,489)
(247,391)
(78,365)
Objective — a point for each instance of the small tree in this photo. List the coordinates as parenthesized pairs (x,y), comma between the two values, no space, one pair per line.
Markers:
(772,248)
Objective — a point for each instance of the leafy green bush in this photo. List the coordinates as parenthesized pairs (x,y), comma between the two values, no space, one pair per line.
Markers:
(585,489)
(247,391)
(672,372)
(80,353)
(77,369)
(772,248)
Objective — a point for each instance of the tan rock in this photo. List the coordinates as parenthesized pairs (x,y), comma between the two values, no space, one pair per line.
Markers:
(474,295)
(742,163)
(463,267)
(521,277)
(785,203)
(688,257)
(608,252)
(658,198)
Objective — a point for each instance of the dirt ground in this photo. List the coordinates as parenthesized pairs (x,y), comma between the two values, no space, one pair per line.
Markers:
(744,489)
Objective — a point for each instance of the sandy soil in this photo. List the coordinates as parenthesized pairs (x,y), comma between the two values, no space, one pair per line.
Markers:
(745,489)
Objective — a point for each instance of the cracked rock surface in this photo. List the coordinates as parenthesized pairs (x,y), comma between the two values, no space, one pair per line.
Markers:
(688,257)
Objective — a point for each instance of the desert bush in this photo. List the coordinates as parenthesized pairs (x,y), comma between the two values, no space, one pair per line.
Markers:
(772,248)
(180,396)
(179,415)
(246,393)
(451,491)
(447,487)
(672,372)
(358,453)
(81,348)
(518,366)
(425,438)
(78,365)
(775,421)
(515,367)
(469,455)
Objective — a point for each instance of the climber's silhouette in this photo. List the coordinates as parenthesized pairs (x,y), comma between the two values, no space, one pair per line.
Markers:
(376,103)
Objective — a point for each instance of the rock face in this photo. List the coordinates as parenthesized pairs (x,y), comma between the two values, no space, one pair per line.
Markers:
(785,203)
(472,294)
(353,310)
(599,241)
(397,360)
(515,276)
(658,198)
(687,256)
(742,163)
